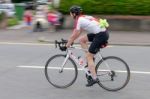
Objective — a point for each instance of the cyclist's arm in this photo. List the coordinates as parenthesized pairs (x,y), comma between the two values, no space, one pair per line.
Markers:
(73,37)
(76,32)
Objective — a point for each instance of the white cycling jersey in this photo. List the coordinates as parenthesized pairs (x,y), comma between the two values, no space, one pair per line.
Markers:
(89,24)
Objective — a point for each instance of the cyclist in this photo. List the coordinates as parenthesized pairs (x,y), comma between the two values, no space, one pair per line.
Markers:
(96,35)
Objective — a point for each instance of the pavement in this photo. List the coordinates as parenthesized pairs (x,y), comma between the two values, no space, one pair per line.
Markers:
(130,38)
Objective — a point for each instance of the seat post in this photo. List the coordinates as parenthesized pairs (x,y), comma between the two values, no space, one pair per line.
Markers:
(99,54)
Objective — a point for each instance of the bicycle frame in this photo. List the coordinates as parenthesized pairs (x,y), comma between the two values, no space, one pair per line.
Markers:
(71,55)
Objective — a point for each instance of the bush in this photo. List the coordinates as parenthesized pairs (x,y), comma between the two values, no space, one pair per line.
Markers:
(13,21)
(109,7)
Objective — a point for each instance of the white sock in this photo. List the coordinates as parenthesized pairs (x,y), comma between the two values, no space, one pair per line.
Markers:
(94,77)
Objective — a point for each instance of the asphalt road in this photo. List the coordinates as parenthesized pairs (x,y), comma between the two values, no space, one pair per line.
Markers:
(22,74)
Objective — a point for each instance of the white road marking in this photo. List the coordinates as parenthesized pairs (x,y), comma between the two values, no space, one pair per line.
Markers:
(42,67)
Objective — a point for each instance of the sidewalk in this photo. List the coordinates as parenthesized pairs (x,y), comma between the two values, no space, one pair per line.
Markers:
(130,38)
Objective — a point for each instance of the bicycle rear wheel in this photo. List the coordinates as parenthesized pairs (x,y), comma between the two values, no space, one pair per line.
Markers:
(113,73)
(58,78)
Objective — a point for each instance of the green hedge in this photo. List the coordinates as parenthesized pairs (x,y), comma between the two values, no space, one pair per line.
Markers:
(109,7)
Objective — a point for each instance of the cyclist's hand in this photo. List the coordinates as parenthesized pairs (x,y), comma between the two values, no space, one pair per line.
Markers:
(64,48)
(69,45)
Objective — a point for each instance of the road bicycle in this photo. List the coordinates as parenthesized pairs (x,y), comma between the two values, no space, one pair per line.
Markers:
(61,70)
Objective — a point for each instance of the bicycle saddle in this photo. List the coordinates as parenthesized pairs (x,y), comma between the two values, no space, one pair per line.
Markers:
(104,44)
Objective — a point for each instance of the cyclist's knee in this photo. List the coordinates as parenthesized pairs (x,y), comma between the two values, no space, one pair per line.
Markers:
(83,39)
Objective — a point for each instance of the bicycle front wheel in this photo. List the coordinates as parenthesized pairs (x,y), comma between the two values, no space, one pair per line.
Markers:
(113,73)
(60,77)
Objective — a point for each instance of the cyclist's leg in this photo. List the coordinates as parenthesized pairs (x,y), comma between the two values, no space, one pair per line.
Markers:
(91,64)
(90,55)
(93,49)
(83,41)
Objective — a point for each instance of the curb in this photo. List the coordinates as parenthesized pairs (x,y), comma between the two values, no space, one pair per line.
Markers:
(116,44)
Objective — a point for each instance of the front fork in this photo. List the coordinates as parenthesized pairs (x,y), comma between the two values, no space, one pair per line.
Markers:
(64,62)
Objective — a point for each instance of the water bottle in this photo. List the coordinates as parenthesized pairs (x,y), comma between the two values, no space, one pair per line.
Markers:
(82,61)
(83,64)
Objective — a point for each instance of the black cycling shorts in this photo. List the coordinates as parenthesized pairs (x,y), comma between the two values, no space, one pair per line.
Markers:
(97,40)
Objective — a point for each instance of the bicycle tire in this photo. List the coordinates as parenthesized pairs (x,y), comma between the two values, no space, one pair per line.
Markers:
(114,73)
(62,83)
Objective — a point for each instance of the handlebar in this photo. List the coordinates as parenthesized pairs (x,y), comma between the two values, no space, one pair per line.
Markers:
(61,44)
